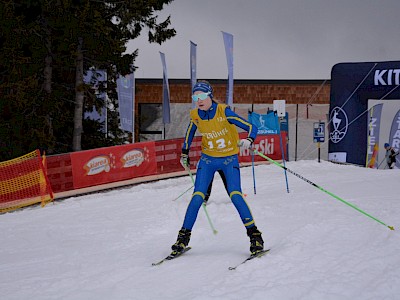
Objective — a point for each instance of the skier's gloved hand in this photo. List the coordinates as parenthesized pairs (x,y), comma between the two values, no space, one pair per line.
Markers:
(246,143)
(185,160)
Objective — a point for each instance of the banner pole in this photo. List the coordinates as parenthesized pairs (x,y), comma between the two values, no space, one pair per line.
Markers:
(282,150)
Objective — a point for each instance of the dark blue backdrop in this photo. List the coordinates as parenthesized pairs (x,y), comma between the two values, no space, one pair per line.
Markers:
(348,84)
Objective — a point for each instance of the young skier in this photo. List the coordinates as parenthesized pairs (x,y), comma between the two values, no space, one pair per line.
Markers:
(220,147)
(390,155)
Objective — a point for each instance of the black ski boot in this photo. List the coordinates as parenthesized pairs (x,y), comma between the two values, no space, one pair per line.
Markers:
(182,241)
(256,241)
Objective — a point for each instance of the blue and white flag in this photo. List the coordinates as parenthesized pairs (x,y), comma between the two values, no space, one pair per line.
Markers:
(93,77)
(165,107)
(126,101)
(228,42)
(394,138)
(266,124)
(374,123)
(193,67)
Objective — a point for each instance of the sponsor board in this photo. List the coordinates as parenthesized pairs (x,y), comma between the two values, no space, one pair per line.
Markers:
(105,165)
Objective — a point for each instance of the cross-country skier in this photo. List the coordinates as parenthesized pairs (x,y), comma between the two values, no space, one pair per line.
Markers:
(220,146)
(390,155)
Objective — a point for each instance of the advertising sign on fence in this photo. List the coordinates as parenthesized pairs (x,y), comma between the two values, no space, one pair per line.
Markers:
(266,144)
(118,163)
(105,165)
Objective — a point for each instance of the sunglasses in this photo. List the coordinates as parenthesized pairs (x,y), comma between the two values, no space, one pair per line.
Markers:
(202,96)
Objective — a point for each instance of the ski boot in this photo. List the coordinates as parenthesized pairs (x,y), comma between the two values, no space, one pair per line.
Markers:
(256,241)
(181,242)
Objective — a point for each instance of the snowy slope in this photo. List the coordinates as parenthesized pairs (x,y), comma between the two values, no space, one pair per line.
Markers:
(101,246)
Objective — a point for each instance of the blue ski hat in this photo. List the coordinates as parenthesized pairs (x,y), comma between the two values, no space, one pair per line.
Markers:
(386,145)
(204,87)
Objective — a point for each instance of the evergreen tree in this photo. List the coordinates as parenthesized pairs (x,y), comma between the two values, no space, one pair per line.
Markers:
(47,46)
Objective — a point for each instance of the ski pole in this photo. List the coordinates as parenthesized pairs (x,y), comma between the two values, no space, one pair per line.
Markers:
(254,174)
(204,205)
(183,193)
(322,189)
(381,162)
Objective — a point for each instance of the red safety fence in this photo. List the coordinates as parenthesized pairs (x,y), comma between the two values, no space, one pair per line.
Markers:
(59,172)
(105,165)
(26,180)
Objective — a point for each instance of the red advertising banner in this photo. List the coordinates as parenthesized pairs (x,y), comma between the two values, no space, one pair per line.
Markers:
(105,165)
(268,145)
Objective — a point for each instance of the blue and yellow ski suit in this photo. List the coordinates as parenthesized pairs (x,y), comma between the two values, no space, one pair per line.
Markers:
(219,152)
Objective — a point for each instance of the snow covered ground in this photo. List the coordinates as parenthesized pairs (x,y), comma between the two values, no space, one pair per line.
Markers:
(101,246)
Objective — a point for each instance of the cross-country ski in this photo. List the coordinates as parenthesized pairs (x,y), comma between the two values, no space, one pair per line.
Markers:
(171,256)
(252,256)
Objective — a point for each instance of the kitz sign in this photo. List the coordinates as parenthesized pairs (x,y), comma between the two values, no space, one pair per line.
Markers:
(387,77)
(352,121)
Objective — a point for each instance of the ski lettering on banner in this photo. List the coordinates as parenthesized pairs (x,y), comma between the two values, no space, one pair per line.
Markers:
(170,257)
(259,254)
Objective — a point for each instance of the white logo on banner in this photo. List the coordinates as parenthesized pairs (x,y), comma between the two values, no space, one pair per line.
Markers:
(98,164)
(263,129)
(133,158)
(339,126)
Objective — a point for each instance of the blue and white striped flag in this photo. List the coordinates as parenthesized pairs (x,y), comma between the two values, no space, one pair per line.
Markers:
(126,101)
(374,123)
(228,42)
(193,66)
(165,107)
(394,138)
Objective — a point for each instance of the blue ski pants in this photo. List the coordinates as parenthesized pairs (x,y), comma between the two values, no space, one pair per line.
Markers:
(207,166)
